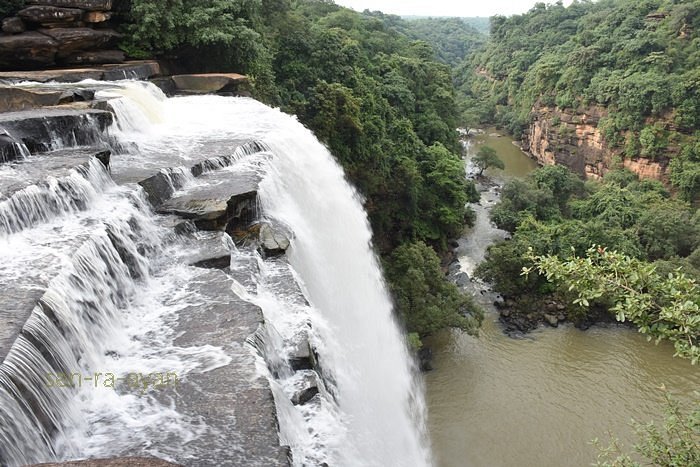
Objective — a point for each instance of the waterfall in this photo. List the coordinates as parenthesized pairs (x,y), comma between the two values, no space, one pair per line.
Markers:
(122,277)
(380,400)
(359,342)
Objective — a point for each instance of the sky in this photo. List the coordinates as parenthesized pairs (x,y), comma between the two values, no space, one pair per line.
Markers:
(444,7)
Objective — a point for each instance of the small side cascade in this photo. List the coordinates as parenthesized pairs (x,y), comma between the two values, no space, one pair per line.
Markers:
(66,334)
(39,203)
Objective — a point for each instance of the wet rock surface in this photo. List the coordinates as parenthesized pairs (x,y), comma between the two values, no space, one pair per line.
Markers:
(113,462)
(233,398)
(213,205)
(236,401)
(38,130)
(274,240)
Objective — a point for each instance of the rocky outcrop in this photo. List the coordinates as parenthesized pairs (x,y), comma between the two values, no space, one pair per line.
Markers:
(28,50)
(113,462)
(59,32)
(72,40)
(274,240)
(573,139)
(220,83)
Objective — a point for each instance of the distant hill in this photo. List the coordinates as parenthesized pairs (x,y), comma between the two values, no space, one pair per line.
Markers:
(452,38)
(480,23)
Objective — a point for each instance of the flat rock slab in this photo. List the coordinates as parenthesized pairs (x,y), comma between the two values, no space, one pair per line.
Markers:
(28,50)
(136,69)
(235,401)
(113,462)
(210,250)
(206,83)
(92,5)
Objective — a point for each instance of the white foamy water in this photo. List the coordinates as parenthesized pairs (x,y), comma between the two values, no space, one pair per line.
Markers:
(370,410)
(381,413)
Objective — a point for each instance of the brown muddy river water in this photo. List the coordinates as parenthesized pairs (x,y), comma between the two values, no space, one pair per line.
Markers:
(539,401)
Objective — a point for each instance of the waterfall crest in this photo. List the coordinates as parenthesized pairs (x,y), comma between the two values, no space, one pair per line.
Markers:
(128,286)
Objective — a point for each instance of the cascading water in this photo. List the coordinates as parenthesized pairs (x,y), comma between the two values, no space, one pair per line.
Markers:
(369,409)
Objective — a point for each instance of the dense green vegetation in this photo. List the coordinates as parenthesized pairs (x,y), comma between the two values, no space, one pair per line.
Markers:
(675,444)
(554,219)
(8,7)
(423,298)
(452,38)
(637,60)
(375,96)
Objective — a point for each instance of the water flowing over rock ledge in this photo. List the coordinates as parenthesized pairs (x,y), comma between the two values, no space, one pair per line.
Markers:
(61,176)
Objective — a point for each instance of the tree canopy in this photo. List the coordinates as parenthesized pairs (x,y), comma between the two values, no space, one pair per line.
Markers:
(374,94)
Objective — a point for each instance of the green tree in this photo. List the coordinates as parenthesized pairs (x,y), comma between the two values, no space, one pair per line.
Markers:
(662,307)
(424,300)
(487,157)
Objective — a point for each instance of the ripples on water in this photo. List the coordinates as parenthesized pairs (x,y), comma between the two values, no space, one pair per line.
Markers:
(539,401)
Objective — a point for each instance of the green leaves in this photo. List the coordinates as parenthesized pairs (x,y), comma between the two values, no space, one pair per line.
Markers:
(424,300)
(662,307)
(487,157)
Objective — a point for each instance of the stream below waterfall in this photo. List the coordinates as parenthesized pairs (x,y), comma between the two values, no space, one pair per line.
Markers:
(495,401)
(540,400)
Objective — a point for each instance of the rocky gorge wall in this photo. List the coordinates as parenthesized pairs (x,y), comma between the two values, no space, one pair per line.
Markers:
(574,139)
(48,33)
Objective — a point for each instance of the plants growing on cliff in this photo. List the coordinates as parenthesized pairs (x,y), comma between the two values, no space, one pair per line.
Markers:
(425,301)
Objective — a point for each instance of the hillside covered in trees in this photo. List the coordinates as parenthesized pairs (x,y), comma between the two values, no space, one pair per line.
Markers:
(372,92)
(631,67)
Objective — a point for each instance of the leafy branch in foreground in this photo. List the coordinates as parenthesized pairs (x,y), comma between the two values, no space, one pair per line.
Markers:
(675,444)
(661,307)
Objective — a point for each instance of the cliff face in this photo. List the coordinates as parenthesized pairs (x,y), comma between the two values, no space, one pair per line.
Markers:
(563,137)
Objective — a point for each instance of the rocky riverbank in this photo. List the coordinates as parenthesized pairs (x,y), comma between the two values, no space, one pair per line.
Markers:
(525,314)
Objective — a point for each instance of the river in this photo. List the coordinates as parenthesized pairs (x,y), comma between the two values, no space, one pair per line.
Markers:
(540,400)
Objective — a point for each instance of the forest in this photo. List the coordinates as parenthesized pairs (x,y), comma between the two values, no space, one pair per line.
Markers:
(638,60)
(376,95)
(385,94)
